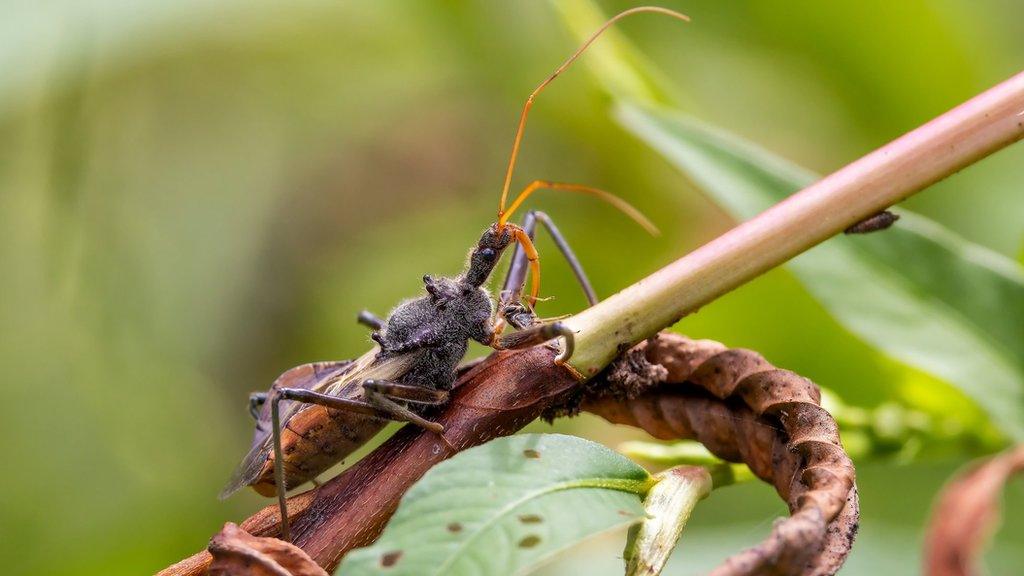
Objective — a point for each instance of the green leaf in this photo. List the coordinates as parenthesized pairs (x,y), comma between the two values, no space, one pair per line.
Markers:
(916,291)
(505,507)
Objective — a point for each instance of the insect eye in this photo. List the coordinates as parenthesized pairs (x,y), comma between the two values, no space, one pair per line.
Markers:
(488,254)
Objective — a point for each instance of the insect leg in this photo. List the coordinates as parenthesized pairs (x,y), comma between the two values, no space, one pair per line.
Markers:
(425,337)
(379,406)
(569,255)
(407,392)
(282,502)
(256,401)
(516,313)
(389,410)
(515,278)
(370,320)
(377,392)
(538,335)
(396,411)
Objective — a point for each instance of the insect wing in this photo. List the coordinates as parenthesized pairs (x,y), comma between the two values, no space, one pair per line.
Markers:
(307,376)
(325,377)
(332,378)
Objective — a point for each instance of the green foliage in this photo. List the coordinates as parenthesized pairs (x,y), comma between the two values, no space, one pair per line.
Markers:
(504,507)
(687,453)
(917,293)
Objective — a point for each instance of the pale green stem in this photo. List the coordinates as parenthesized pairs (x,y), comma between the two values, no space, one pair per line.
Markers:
(668,505)
(958,138)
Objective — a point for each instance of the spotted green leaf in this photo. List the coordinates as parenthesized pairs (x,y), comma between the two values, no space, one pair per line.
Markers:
(505,507)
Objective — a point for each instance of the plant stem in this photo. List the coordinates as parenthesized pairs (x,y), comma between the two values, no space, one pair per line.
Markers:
(669,505)
(965,134)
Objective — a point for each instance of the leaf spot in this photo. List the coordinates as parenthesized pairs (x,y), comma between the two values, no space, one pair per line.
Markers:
(529,541)
(530,519)
(531,453)
(389,559)
(455,527)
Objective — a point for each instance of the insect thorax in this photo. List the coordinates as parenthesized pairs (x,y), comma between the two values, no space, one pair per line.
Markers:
(444,320)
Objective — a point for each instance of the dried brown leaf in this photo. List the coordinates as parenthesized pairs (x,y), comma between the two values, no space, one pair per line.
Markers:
(743,409)
(237,553)
(966,514)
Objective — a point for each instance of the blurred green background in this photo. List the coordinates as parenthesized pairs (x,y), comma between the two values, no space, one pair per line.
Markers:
(196,196)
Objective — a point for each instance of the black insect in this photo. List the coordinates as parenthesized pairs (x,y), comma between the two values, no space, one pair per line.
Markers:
(880,221)
(316,414)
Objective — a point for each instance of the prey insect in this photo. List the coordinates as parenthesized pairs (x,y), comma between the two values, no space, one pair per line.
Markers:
(881,221)
(316,414)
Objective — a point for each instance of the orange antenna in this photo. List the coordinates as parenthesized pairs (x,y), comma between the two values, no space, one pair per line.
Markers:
(623,206)
(555,74)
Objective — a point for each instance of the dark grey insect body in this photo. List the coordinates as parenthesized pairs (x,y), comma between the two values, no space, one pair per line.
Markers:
(316,414)
(327,410)
(420,345)
(441,323)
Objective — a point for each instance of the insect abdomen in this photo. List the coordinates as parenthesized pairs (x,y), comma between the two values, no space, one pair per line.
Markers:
(312,441)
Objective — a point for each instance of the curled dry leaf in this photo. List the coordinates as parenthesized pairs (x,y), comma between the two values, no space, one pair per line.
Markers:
(743,409)
(263,523)
(965,515)
(237,553)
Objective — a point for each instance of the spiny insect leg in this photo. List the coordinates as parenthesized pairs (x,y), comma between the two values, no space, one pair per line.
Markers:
(398,412)
(282,502)
(378,406)
(425,337)
(370,320)
(407,392)
(568,254)
(515,312)
(538,335)
(256,401)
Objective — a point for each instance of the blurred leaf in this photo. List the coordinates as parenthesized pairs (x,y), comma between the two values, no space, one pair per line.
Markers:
(622,69)
(504,507)
(966,514)
(684,452)
(687,453)
(916,292)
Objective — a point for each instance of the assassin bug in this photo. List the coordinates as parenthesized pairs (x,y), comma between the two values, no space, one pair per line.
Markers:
(316,414)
